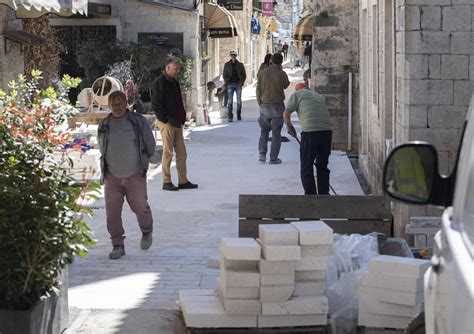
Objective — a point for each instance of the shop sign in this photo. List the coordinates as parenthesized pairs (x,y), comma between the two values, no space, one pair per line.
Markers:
(222,32)
(231,4)
(167,40)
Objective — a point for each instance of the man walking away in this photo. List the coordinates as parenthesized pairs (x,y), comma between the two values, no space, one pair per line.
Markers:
(234,78)
(126,144)
(271,84)
(285,50)
(315,137)
(292,54)
(167,103)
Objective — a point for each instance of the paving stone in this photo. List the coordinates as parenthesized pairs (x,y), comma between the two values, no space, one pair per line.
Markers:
(237,264)
(378,307)
(297,306)
(390,296)
(276,294)
(314,232)
(377,320)
(280,253)
(309,288)
(310,275)
(240,278)
(240,306)
(240,249)
(276,267)
(393,282)
(278,234)
(277,279)
(398,266)
(268,321)
(238,292)
(203,309)
(316,250)
(312,263)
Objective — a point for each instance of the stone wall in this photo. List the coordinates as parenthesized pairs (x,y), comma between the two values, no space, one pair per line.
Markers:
(11,58)
(335,54)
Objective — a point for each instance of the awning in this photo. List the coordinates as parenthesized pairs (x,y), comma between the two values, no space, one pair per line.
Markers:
(219,21)
(23,37)
(304,29)
(29,9)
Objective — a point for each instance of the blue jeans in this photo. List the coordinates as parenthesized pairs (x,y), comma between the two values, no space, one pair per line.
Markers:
(271,119)
(231,88)
(315,146)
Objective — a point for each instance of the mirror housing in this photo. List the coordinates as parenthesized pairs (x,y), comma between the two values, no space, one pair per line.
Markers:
(411,174)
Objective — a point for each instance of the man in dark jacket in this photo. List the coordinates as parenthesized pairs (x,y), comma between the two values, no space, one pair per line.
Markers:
(167,103)
(126,144)
(234,78)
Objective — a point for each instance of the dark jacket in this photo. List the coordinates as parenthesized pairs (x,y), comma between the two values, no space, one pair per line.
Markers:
(145,144)
(240,72)
(164,100)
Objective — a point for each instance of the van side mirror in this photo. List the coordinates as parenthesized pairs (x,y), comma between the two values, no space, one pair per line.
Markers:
(410,173)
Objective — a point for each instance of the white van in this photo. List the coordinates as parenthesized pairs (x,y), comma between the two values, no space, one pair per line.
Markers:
(411,175)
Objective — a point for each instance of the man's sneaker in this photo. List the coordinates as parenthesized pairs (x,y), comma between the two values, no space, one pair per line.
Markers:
(147,240)
(275,162)
(262,157)
(170,187)
(117,252)
(188,185)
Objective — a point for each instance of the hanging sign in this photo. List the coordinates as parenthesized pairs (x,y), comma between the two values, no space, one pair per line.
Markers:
(267,7)
(231,4)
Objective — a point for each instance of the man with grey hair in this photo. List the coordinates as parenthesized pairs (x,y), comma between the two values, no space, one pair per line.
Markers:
(126,146)
(167,103)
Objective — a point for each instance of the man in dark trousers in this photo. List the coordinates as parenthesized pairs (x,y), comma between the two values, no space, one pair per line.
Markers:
(234,79)
(315,137)
(126,144)
(167,103)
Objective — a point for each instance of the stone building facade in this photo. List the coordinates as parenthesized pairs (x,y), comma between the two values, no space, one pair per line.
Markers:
(416,81)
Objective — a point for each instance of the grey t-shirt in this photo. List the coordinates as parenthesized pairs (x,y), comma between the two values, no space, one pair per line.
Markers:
(122,155)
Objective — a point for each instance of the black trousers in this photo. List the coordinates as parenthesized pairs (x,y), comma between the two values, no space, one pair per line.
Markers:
(315,146)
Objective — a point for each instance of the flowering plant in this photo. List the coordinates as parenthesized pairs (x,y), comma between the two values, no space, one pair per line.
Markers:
(42,222)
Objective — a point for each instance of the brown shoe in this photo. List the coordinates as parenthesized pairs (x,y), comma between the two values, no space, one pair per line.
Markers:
(117,252)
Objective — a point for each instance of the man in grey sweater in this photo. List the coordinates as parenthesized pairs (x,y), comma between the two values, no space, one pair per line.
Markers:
(126,145)
(271,84)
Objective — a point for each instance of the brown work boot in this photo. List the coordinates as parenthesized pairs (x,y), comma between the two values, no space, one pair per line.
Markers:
(117,252)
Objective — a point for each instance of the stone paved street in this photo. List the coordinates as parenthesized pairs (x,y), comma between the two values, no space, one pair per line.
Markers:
(138,293)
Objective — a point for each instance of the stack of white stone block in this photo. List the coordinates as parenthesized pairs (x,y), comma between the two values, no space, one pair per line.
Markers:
(392,292)
(315,240)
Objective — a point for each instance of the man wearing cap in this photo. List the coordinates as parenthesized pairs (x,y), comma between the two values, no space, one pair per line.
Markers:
(234,78)
(271,83)
(315,137)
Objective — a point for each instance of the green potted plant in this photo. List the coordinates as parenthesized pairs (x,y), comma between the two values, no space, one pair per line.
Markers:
(42,222)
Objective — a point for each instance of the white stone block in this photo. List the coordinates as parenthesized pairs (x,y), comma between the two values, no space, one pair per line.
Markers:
(276,267)
(298,306)
(310,275)
(240,278)
(240,306)
(276,294)
(277,279)
(225,263)
(232,292)
(280,253)
(314,232)
(312,263)
(268,321)
(398,266)
(379,280)
(203,309)
(381,321)
(316,250)
(240,249)
(309,288)
(383,308)
(390,296)
(278,234)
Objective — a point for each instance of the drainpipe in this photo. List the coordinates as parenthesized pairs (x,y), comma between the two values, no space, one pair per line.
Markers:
(349,116)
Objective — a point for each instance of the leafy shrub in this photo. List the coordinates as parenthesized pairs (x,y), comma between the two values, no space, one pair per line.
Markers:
(41,220)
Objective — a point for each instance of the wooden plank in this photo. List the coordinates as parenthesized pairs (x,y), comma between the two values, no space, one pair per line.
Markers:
(248,228)
(313,207)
